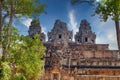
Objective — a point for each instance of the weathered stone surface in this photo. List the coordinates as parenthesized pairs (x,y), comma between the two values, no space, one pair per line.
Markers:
(85,35)
(35,28)
(69,60)
(60,33)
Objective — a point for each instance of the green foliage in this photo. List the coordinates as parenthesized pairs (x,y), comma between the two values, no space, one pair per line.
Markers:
(109,8)
(26,57)
(35,21)
(5,71)
(24,7)
(10,9)
(23,53)
(19,76)
(14,33)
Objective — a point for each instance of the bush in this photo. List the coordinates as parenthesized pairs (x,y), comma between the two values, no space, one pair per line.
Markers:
(19,76)
(5,71)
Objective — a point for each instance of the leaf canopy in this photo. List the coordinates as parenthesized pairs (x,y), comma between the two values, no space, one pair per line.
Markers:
(108,8)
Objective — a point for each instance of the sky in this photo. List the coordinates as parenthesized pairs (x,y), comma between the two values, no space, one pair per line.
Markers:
(72,15)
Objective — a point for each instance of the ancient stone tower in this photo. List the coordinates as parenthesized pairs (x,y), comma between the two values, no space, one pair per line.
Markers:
(35,28)
(68,60)
(85,34)
(60,33)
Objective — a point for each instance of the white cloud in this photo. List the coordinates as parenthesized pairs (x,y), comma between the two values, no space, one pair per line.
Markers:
(44,30)
(72,22)
(111,35)
(106,33)
(1,50)
(98,0)
(26,21)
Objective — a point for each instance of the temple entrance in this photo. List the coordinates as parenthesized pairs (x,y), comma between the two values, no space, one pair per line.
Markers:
(55,76)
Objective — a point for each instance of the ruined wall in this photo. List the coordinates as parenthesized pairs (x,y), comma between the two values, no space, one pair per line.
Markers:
(69,60)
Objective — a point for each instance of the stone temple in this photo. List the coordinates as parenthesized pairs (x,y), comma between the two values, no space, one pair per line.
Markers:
(60,33)
(85,35)
(68,60)
(35,28)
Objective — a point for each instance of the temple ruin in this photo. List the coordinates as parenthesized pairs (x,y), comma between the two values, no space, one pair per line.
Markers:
(35,28)
(68,60)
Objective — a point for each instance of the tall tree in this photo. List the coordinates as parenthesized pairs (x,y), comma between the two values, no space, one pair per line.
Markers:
(110,8)
(1,7)
(9,9)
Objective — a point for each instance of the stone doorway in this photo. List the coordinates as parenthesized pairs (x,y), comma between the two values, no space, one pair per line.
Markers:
(55,76)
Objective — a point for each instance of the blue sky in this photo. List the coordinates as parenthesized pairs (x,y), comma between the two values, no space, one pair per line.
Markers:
(72,15)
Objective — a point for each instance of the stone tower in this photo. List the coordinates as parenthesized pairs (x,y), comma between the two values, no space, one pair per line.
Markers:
(35,28)
(60,32)
(85,34)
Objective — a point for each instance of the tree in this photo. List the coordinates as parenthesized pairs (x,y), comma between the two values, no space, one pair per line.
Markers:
(13,8)
(5,71)
(110,8)
(24,58)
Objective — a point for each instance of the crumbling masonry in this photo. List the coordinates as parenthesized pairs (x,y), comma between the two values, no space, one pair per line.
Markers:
(65,58)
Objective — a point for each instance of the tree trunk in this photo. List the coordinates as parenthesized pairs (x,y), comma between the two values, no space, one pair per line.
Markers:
(6,46)
(0,21)
(118,34)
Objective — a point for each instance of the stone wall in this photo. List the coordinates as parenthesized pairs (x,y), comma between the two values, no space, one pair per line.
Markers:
(69,60)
